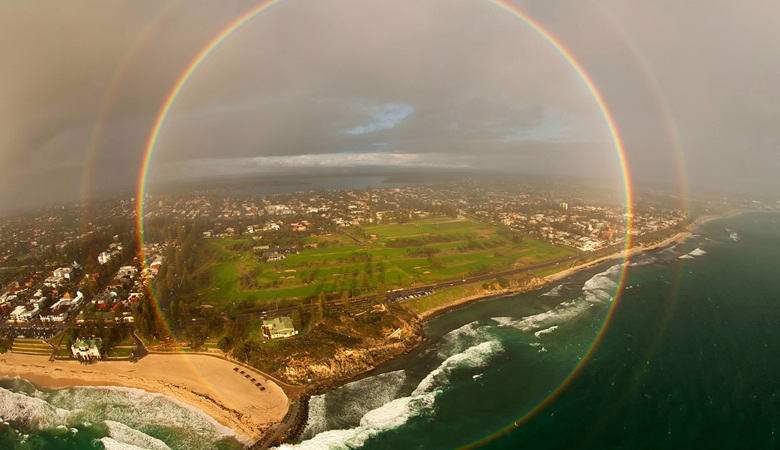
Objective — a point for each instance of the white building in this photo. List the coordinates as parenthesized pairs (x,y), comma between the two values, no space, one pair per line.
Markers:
(127,271)
(279,327)
(22,314)
(53,318)
(104,258)
(86,349)
(59,277)
(68,302)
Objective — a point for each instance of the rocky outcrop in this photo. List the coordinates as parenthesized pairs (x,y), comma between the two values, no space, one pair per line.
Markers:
(341,347)
(347,362)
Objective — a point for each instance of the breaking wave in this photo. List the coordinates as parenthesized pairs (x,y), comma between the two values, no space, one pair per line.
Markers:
(397,412)
(541,333)
(121,434)
(30,412)
(643,260)
(694,253)
(599,289)
(127,415)
(111,444)
(554,292)
(475,356)
(351,402)
(461,338)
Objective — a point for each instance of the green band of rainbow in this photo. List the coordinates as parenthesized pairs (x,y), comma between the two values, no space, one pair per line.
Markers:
(510,8)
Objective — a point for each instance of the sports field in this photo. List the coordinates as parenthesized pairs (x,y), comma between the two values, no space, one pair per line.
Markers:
(368,260)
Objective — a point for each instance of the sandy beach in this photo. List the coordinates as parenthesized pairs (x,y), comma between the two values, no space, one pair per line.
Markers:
(623,254)
(634,251)
(207,383)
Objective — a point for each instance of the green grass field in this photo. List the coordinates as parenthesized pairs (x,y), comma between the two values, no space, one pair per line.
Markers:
(381,257)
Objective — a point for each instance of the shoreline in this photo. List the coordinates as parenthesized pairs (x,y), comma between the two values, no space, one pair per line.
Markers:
(669,241)
(428,315)
(209,385)
(250,423)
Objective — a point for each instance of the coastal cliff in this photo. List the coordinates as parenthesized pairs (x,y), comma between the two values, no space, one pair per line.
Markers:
(338,348)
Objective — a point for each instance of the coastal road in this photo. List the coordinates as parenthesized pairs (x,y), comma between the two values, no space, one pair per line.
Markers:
(393,296)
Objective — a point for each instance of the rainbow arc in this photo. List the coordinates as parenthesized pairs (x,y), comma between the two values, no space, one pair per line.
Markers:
(553,41)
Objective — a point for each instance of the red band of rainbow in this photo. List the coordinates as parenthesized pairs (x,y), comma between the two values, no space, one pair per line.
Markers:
(510,8)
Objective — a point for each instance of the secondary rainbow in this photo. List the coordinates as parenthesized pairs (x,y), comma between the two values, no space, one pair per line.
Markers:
(505,5)
(170,99)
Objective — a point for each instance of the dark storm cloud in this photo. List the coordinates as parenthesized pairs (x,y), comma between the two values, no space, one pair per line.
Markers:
(347,82)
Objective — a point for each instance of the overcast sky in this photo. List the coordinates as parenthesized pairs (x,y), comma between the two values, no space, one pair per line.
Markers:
(350,83)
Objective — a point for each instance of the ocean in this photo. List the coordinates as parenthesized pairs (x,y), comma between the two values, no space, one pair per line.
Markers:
(102,418)
(688,360)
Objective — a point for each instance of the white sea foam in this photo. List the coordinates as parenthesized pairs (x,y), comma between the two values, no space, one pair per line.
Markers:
(30,412)
(397,412)
(734,236)
(353,401)
(469,329)
(112,444)
(643,261)
(389,416)
(317,421)
(138,408)
(599,289)
(133,409)
(475,356)
(504,321)
(541,333)
(461,338)
(121,433)
(554,292)
(694,253)
(562,312)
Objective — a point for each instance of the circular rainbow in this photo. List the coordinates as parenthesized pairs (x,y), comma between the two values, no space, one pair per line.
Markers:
(539,29)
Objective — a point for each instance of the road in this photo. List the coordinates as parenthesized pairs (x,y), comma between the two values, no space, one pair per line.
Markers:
(364,300)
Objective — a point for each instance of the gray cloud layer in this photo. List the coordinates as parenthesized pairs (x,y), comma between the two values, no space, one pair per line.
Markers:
(337,82)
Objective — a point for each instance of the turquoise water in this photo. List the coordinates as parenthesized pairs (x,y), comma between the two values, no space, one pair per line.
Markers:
(102,418)
(689,360)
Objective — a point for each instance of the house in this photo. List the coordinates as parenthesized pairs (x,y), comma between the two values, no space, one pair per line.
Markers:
(278,210)
(278,328)
(104,258)
(23,314)
(68,302)
(273,256)
(53,318)
(86,350)
(58,277)
(155,265)
(271,226)
(303,225)
(63,272)
(127,272)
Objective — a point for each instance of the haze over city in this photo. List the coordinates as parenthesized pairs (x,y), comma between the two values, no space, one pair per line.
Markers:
(440,84)
(389,224)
